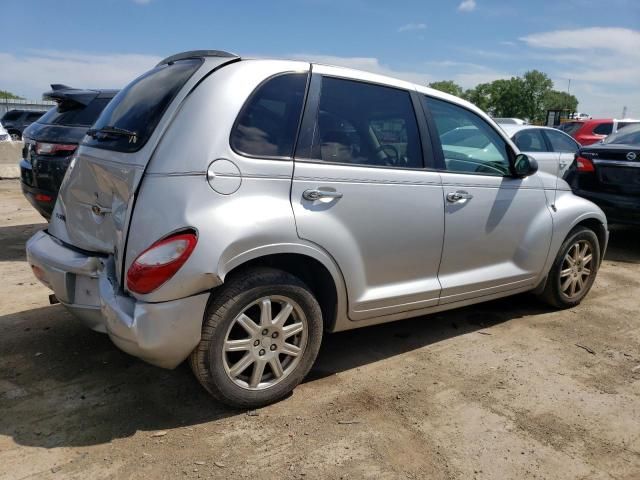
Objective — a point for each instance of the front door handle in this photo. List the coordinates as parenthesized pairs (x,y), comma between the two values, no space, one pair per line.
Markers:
(317,194)
(458,196)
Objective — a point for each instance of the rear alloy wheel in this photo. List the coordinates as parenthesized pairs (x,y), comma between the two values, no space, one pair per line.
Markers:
(261,349)
(574,269)
(261,335)
(15,136)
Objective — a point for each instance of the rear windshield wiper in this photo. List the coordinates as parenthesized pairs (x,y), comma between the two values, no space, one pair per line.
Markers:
(101,133)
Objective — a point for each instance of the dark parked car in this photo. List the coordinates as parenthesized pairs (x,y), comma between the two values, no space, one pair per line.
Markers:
(15,121)
(608,173)
(50,142)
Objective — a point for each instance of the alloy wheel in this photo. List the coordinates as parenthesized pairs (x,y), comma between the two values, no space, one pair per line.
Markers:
(577,266)
(265,342)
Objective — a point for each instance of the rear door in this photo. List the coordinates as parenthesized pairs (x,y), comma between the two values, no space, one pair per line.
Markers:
(565,146)
(97,195)
(362,193)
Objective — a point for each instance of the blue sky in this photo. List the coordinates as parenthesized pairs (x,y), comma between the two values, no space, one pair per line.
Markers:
(107,43)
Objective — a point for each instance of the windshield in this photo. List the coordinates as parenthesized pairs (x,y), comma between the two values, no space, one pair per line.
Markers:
(570,127)
(629,135)
(140,105)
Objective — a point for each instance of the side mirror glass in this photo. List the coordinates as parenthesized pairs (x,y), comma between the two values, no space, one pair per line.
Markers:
(524,165)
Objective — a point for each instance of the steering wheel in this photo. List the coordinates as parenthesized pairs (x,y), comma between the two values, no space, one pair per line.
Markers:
(385,148)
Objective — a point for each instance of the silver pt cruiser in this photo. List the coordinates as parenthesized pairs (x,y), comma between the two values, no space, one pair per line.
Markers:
(230,211)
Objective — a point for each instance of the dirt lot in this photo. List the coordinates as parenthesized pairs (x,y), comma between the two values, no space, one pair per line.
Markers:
(497,391)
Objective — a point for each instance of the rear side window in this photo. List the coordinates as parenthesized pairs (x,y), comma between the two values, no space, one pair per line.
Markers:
(268,123)
(561,142)
(530,140)
(82,116)
(12,115)
(364,124)
(571,127)
(140,105)
(32,117)
(603,129)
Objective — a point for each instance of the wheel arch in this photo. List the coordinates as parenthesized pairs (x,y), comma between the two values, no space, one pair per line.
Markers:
(314,267)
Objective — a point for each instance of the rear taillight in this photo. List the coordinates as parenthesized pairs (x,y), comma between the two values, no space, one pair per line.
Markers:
(160,262)
(584,164)
(43,148)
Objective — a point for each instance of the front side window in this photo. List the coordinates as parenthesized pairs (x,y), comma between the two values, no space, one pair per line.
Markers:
(561,142)
(268,123)
(603,129)
(469,144)
(363,124)
(530,140)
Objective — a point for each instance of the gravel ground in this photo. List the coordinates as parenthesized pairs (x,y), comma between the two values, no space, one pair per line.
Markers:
(504,390)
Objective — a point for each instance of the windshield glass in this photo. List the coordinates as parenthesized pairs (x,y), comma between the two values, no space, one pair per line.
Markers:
(140,105)
(629,135)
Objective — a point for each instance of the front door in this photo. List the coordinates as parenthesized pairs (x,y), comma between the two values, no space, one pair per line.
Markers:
(361,192)
(532,142)
(497,227)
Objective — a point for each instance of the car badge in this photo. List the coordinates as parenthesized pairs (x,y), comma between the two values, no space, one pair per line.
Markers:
(631,156)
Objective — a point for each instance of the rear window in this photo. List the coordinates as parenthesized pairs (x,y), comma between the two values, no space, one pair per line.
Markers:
(76,117)
(630,135)
(140,105)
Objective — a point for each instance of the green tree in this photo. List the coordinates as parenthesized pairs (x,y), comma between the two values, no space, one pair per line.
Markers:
(9,95)
(480,96)
(555,100)
(448,86)
(536,87)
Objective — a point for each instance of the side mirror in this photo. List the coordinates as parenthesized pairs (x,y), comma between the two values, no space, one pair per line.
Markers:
(524,165)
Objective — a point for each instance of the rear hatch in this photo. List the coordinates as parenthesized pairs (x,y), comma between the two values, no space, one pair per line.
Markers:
(97,196)
(57,133)
(616,169)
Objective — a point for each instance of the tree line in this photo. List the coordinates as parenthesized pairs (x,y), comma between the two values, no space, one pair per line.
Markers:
(528,97)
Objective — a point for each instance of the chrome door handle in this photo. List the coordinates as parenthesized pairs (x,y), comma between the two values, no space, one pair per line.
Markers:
(317,194)
(454,197)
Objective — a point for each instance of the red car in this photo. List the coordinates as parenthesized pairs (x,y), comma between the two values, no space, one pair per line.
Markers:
(587,132)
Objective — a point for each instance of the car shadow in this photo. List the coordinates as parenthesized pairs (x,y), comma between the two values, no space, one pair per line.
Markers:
(13,239)
(64,385)
(624,244)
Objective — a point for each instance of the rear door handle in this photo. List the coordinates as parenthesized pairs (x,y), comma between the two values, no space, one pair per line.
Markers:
(317,194)
(458,196)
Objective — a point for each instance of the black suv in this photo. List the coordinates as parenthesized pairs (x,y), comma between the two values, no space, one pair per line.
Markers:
(15,121)
(608,174)
(50,142)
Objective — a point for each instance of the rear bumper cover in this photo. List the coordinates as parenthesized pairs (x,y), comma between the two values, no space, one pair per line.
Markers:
(618,208)
(163,334)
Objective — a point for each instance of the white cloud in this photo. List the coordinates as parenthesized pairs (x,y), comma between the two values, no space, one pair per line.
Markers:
(603,64)
(31,74)
(368,64)
(467,6)
(412,26)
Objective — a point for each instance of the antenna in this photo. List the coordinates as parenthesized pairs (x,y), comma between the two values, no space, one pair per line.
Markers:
(624,112)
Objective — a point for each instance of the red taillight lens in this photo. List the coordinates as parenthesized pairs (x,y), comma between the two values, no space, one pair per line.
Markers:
(160,262)
(584,165)
(53,148)
(41,197)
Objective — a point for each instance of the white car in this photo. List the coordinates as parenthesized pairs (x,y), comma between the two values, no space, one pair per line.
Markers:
(553,149)
(4,135)
(510,121)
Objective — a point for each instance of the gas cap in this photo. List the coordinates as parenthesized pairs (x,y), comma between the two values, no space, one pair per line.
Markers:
(224,176)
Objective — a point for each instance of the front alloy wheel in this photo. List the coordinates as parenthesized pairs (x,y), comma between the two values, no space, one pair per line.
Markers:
(576,269)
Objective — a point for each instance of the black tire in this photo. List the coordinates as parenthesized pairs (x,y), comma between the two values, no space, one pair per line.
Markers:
(226,304)
(16,136)
(553,293)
